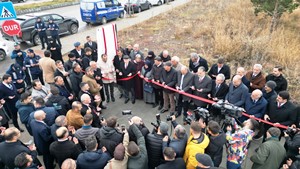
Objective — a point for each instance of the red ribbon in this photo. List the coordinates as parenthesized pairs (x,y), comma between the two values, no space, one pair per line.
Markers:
(122,79)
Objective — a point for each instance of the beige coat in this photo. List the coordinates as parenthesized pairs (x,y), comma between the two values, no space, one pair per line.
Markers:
(115,164)
(48,67)
(108,71)
(94,86)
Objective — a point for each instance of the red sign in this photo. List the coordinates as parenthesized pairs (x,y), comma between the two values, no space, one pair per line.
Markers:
(11,27)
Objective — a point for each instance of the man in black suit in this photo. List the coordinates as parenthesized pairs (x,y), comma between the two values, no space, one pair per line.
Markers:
(78,52)
(196,61)
(93,45)
(8,92)
(127,69)
(117,63)
(156,73)
(218,68)
(42,137)
(201,87)
(185,81)
(87,108)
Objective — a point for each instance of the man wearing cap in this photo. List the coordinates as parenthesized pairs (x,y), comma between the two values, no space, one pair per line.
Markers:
(268,92)
(127,70)
(32,64)
(156,72)
(219,67)
(53,28)
(204,161)
(78,51)
(41,28)
(278,78)
(168,79)
(154,143)
(271,153)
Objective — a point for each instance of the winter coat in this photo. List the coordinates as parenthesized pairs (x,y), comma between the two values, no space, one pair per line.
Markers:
(94,88)
(237,95)
(35,70)
(193,147)
(51,114)
(281,82)
(154,147)
(60,103)
(110,138)
(75,79)
(194,66)
(92,160)
(258,82)
(108,71)
(74,119)
(215,148)
(24,111)
(156,73)
(292,145)
(170,79)
(270,154)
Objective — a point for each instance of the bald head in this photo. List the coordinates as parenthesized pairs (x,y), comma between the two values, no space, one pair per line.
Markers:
(68,164)
(136,120)
(237,80)
(62,132)
(12,134)
(39,115)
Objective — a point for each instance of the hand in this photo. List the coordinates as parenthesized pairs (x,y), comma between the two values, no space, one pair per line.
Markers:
(2,129)
(141,76)
(252,116)
(293,126)
(117,70)
(120,73)
(41,167)
(11,97)
(146,79)
(2,101)
(157,81)
(75,140)
(163,83)
(130,122)
(103,149)
(32,147)
(192,87)
(165,139)
(209,96)
(153,80)
(173,118)
(71,129)
(251,84)
(129,74)
(289,162)
(285,134)
(19,53)
(285,166)
(229,128)
(71,97)
(177,88)
(66,73)
(215,99)
(266,117)
(199,90)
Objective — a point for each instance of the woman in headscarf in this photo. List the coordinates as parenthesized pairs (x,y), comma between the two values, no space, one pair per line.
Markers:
(149,97)
(55,50)
(150,57)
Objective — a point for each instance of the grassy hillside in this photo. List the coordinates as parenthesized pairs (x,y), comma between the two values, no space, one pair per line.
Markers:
(228,28)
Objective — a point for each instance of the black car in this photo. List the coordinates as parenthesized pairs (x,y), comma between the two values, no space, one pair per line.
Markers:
(13,1)
(137,6)
(28,33)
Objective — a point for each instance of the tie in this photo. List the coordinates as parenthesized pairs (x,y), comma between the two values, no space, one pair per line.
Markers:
(217,87)
(181,82)
(278,105)
(200,79)
(254,101)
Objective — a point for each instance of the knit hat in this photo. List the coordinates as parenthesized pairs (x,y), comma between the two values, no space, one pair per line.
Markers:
(274,131)
(30,50)
(164,128)
(204,159)
(119,152)
(271,84)
(76,44)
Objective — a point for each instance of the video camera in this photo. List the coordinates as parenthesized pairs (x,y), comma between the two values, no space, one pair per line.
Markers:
(229,109)
(291,131)
(199,113)
(169,117)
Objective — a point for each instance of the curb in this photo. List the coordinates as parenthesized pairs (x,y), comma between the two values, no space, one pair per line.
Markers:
(21,12)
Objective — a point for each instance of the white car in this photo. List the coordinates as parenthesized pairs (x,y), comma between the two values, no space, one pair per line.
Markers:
(4,51)
(156,2)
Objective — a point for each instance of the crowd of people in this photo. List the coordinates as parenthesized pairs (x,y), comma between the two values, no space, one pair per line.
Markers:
(60,104)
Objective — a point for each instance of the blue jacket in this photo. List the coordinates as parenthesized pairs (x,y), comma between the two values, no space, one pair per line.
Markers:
(42,136)
(40,25)
(17,73)
(51,114)
(33,60)
(237,96)
(55,26)
(257,109)
(92,160)
(19,59)
(24,111)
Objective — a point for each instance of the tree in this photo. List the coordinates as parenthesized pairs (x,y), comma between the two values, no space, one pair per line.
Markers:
(275,9)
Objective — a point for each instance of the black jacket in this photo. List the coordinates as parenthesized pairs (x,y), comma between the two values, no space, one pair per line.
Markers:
(144,130)
(156,73)
(58,73)
(170,79)
(128,84)
(62,150)
(76,79)
(214,71)
(178,163)
(194,67)
(94,47)
(77,55)
(96,119)
(154,147)
(219,93)
(215,148)
(86,62)
(60,103)
(110,138)
(292,145)
(92,160)
(281,82)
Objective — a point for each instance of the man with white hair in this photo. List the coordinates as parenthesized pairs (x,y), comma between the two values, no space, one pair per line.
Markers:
(136,50)
(87,108)
(241,71)
(256,78)
(219,88)
(175,61)
(237,92)
(165,56)
(196,61)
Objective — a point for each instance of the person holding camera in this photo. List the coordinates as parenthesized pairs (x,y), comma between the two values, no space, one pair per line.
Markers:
(238,142)
(178,143)
(271,153)
(197,143)
(292,143)
(141,126)
(154,145)
(293,165)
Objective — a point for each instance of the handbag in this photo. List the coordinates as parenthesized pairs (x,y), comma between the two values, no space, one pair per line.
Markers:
(148,88)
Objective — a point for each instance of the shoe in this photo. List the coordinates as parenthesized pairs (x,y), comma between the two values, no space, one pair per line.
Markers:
(126,101)
(160,107)
(133,101)
(113,99)
(163,110)
(177,115)
(21,130)
(107,100)
(103,107)
(154,105)
(121,95)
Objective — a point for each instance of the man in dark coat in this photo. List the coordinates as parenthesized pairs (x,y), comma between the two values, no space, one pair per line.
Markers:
(31,62)
(127,70)
(76,78)
(87,108)
(53,28)
(64,148)
(278,78)
(169,79)
(118,59)
(185,81)
(218,68)
(51,113)
(25,107)
(196,61)
(171,161)
(78,52)
(140,125)
(87,58)
(60,71)
(154,142)
(8,92)
(41,28)
(69,63)
(42,137)
(60,103)
(110,136)
(18,76)
(237,92)
(136,50)
(219,88)
(12,146)
(268,91)
(165,57)
(156,72)
(93,45)
(201,86)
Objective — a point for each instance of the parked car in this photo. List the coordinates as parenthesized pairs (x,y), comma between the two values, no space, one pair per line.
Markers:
(156,2)
(28,33)
(13,1)
(137,6)
(4,51)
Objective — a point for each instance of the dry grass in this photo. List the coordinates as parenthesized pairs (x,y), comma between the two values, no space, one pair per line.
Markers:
(229,28)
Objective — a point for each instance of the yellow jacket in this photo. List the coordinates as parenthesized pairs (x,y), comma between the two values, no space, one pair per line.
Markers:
(192,148)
